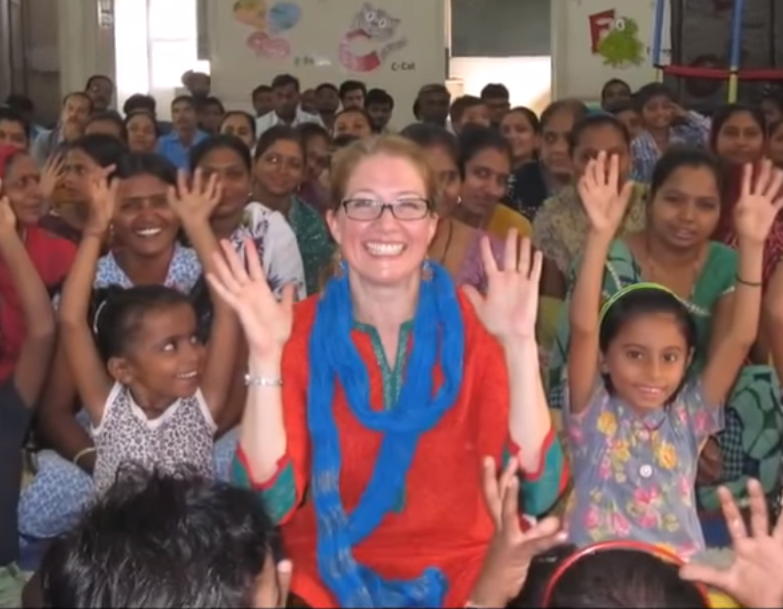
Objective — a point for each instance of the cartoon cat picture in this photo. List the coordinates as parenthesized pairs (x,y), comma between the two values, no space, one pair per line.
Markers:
(370,39)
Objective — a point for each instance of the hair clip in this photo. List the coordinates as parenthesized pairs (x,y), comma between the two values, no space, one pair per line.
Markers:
(96,317)
(639,546)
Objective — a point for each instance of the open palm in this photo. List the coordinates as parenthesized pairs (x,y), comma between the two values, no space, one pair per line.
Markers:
(759,203)
(197,199)
(605,201)
(510,307)
(511,550)
(754,578)
(267,323)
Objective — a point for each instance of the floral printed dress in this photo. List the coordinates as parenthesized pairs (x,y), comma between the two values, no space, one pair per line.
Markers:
(276,244)
(634,475)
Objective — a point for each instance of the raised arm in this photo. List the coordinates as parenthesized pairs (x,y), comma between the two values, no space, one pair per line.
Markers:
(35,355)
(56,414)
(194,204)
(755,213)
(89,371)
(772,309)
(605,202)
(267,326)
(509,311)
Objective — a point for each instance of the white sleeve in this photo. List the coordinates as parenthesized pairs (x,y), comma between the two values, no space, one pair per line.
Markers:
(108,409)
(282,259)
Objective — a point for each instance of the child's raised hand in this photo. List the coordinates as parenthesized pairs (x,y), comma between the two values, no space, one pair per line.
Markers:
(7,217)
(267,323)
(760,201)
(103,200)
(753,579)
(604,200)
(508,559)
(195,200)
(509,309)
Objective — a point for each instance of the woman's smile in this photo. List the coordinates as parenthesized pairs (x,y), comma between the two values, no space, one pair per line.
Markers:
(384,249)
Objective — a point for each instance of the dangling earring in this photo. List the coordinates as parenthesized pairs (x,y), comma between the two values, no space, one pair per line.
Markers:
(340,266)
(426,270)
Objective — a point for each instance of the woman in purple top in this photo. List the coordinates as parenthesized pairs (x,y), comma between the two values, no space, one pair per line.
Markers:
(636,423)
(456,246)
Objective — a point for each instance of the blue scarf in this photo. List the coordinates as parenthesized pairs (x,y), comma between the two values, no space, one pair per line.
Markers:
(438,334)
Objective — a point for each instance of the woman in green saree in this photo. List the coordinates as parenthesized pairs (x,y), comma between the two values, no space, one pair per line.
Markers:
(675,250)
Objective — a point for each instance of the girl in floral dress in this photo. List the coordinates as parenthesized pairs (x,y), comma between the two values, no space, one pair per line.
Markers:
(635,423)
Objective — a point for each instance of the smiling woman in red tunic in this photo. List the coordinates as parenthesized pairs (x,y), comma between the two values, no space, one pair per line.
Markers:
(371,406)
(51,255)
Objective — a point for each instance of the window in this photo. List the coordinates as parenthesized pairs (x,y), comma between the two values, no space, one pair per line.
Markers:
(170,59)
(172,20)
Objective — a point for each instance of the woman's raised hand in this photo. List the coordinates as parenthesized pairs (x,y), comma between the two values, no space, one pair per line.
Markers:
(103,200)
(196,199)
(267,323)
(604,200)
(510,307)
(760,201)
(52,173)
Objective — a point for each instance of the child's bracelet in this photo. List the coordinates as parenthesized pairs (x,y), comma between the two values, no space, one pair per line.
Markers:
(750,284)
(85,451)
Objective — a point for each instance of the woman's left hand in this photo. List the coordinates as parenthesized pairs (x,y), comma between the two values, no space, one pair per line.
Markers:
(510,307)
(760,201)
(195,201)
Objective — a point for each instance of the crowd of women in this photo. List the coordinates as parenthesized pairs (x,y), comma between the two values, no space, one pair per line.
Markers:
(358,326)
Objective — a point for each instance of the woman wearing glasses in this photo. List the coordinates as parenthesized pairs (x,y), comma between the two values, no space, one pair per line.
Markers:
(371,408)
(279,172)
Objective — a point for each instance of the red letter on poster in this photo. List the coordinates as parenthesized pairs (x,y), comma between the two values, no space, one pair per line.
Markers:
(599,24)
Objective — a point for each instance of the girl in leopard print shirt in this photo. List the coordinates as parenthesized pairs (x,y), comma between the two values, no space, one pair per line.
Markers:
(152,390)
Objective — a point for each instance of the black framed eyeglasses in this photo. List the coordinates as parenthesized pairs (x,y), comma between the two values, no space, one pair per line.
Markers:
(366,210)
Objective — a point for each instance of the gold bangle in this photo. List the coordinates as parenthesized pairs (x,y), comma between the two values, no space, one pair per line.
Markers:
(82,453)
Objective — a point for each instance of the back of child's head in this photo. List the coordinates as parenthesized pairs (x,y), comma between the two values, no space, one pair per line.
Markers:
(541,569)
(641,301)
(119,313)
(623,578)
(164,541)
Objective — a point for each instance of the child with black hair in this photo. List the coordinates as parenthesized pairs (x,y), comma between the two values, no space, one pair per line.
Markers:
(635,425)
(157,540)
(151,391)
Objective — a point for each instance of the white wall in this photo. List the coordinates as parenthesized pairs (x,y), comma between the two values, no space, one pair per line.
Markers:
(85,40)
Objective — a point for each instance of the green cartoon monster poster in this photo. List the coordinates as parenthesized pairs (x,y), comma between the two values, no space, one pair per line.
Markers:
(621,47)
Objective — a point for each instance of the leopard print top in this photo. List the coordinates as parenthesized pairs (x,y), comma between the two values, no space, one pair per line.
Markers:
(182,436)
